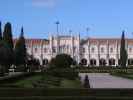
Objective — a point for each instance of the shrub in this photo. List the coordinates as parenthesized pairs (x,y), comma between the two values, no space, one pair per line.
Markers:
(62,61)
(64,73)
(21,68)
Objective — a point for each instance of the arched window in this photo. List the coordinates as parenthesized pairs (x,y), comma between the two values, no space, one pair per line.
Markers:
(102,62)
(84,61)
(93,62)
(45,61)
(130,61)
(111,61)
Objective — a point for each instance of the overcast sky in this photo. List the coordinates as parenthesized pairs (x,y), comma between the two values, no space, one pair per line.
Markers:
(104,18)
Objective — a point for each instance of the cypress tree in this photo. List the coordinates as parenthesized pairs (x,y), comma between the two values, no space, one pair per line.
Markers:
(0,32)
(123,52)
(7,38)
(7,35)
(20,50)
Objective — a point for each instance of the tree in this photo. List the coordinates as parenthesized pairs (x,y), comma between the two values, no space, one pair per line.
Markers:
(86,82)
(60,67)
(20,50)
(0,32)
(62,61)
(7,37)
(123,52)
(5,54)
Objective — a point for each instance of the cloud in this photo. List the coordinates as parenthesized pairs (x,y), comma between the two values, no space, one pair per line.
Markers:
(44,3)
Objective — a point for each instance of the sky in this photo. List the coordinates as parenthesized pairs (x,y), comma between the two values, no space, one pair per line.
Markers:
(103,18)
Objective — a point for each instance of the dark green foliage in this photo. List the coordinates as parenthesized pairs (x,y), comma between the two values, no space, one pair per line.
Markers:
(7,38)
(5,56)
(0,32)
(123,52)
(7,35)
(61,61)
(86,82)
(21,68)
(20,50)
(67,73)
(13,78)
(60,67)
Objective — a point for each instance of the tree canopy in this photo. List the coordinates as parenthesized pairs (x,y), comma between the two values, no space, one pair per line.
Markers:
(20,50)
(62,61)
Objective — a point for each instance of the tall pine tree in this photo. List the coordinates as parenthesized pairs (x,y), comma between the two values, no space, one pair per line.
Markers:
(7,35)
(123,52)
(20,50)
(0,32)
(7,38)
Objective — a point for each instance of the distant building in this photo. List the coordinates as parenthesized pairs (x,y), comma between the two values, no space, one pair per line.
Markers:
(92,51)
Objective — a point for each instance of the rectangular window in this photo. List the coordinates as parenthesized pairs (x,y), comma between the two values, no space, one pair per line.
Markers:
(54,50)
(45,50)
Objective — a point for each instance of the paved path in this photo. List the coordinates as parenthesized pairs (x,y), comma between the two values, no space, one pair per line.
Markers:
(104,80)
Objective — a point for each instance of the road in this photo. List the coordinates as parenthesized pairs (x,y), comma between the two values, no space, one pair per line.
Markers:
(105,80)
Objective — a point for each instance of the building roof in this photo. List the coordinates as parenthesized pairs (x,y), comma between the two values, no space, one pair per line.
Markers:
(104,40)
(34,41)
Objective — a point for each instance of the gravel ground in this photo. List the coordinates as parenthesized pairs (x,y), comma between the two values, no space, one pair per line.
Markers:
(105,80)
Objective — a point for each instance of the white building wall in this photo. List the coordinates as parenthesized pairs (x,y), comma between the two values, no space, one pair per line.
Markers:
(72,45)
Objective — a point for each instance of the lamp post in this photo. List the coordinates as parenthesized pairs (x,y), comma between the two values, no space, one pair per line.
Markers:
(57,26)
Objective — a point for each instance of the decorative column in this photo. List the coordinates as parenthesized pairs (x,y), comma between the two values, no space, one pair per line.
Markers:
(98,48)
(88,51)
(78,51)
(31,47)
(107,53)
(72,44)
(51,46)
(58,45)
(117,53)
(41,60)
(127,51)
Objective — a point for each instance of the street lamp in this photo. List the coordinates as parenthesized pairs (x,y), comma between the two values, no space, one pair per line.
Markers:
(57,26)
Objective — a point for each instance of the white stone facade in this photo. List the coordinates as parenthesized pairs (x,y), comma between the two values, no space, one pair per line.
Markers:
(91,51)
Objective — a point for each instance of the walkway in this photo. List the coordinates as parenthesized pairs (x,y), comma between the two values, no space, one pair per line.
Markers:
(104,80)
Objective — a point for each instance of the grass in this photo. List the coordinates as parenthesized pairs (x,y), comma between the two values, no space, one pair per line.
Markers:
(70,83)
(47,81)
(27,82)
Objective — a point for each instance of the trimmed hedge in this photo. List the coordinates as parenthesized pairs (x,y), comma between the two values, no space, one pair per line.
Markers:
(67,73)
(104,70)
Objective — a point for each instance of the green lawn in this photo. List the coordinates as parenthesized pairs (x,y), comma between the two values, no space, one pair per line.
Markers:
(47,81)
(70,83)
(124,75)
(27,82)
